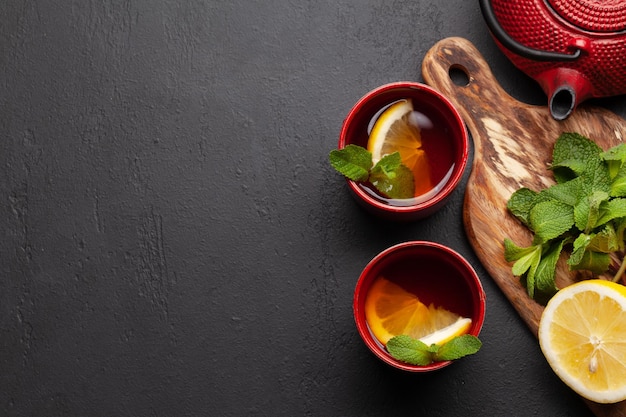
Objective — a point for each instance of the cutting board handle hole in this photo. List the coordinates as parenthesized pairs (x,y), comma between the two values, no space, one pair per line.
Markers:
(459,76)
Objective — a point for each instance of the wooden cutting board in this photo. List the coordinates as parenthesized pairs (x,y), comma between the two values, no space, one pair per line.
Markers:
(512,145)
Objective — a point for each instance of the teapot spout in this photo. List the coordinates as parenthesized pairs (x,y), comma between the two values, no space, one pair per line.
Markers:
(562,102)
(566,88)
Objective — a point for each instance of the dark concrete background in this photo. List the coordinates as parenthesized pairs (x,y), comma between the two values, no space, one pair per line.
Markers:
(174,242)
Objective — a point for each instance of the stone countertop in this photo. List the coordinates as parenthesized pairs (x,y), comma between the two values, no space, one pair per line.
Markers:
(175,242)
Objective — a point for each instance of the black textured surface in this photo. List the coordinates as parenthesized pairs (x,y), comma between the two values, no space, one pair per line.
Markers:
(174,242)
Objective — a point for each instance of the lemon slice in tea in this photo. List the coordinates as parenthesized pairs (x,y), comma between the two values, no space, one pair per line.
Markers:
(391,311)
(396,130)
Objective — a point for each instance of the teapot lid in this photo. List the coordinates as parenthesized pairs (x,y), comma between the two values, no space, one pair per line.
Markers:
(593,15)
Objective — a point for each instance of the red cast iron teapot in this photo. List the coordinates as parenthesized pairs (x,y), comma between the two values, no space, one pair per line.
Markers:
(574,49)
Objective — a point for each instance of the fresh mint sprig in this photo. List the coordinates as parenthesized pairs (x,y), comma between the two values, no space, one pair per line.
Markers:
(415,352)
(584,212)
(389,176)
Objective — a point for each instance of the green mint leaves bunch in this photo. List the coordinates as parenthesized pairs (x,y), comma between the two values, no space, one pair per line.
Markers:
(389,176)
(585,211)
(415,352)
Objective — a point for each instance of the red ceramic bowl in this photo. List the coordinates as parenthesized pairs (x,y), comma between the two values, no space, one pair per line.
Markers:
(437,274)
(444,134)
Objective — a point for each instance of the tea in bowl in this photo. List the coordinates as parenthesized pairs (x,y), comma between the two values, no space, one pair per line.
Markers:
(431,141)
(420,295)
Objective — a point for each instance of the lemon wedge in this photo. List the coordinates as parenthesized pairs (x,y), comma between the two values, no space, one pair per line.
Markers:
(396,130)
(458,328)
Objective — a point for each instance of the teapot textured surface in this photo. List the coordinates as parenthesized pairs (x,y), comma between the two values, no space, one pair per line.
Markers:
(590,35)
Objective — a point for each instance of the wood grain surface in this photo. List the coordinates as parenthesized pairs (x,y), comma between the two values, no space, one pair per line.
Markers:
(513,144)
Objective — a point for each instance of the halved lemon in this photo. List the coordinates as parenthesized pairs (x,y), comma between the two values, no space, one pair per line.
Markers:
(582,333)
(396,130)
(391,311)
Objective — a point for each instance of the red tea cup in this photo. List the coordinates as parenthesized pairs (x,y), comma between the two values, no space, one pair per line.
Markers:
(436,274)
(444,133)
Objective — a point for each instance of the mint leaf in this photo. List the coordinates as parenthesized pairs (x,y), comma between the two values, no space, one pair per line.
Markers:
(580,246)
(568,192)
(611,210)
(620,227)
(585,255)
(546,270)
(587,210)
(615,157)
(521,202)
(524,258)
(605,240)
(618,186)
(595,262)
(389,163)
(616,153)
(550,219)
(352,161)
(574,155)
(528,279)
(392,178)
(598,178)
(407,349)
(415,352)
(458,347)
(512,252)
(434,348)
(526,262)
